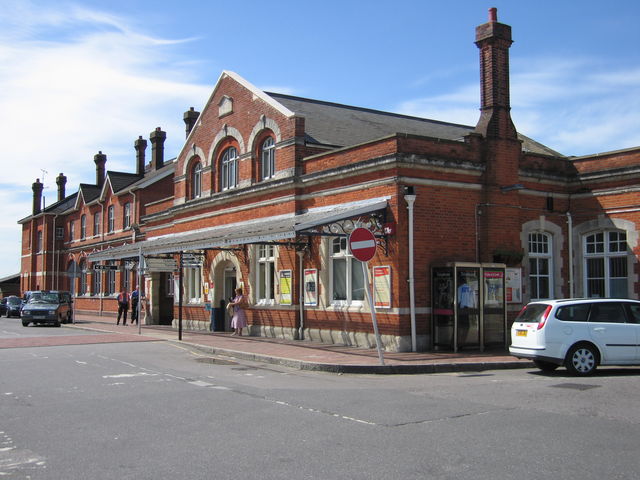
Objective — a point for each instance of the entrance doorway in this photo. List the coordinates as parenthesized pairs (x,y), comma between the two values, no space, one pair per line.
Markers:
(230,284)
(165,299)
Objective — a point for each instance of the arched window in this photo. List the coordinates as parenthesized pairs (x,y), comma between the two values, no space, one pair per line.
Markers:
(229,169)
(83,227)
(540,266)
(111,218)
(126,215)
(196,180)
(267,158)
(83,278)
(605,256)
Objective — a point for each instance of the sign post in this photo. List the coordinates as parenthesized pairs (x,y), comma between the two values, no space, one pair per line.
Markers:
(362,244)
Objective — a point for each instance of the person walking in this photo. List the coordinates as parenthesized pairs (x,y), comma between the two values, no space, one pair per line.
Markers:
(135,296)
(239,319)
(123,306)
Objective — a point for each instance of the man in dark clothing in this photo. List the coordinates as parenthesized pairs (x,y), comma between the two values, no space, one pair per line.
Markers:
(135,295)
(123,306)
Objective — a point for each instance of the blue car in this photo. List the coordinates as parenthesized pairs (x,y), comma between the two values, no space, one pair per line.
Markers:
(11,306)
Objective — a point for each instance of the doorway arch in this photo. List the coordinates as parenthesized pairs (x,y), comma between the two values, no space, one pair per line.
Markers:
(225,276)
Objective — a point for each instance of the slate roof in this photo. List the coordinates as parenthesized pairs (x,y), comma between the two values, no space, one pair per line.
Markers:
(121,180)
(339,125)
(89,192)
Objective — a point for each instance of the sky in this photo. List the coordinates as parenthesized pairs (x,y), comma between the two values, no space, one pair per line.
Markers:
(78,77)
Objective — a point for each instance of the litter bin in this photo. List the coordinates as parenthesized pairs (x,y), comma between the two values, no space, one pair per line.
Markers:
(217,317)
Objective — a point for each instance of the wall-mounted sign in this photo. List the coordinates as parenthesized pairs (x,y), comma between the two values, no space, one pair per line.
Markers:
(382,287)
(285,287)
(311,287)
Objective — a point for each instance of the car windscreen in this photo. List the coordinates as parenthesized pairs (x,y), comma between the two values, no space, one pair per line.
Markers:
(14,301)
(532,313)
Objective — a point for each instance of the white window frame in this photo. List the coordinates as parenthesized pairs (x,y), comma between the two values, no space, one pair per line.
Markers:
(126,215)
(266,274)
(267,158)
(96,284)
(97,220)
(229,169)
(193,284)
(72,230)
(612,245)
(540,249)
(111,279)
(111,219)
(83,227)
(339,251)
(196,180)
(82,287)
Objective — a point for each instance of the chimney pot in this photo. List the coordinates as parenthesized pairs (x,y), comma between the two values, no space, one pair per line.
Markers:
(61,181)
(493,14)
(141,146)
(157,138)
(190,118)
(37,196)
(100,160)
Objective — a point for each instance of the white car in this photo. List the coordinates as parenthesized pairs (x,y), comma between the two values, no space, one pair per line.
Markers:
(578,333)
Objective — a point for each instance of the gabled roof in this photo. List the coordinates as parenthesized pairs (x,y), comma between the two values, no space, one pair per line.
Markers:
(120,180)
(89,192)
(337,125)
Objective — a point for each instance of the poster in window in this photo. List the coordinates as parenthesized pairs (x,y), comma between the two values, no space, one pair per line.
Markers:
(382,287)
(311,287)
(493,287)
(514,285)
(285,287)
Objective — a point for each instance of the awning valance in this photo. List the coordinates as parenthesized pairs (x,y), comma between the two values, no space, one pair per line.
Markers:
(269,229)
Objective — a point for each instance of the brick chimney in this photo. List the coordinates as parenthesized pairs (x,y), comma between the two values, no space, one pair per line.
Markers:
(494,40)
(61,181)
(100,159)
(140,145)
(190,119)
(37,196)
(157,138)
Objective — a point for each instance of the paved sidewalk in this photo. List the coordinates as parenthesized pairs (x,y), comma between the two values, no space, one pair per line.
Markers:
(306,355)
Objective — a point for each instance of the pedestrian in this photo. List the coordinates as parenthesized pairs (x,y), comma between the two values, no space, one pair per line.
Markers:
(123,306)
(135,296)
(239,319)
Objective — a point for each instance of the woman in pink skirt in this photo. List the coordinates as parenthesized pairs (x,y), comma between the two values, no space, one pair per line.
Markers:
(239,320)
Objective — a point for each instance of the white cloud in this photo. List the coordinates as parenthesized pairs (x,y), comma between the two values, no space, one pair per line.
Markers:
(577,106)
(72,82)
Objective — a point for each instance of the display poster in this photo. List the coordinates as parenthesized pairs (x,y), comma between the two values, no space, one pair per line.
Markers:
(493,287)
(285,287)
(382,287)
(311,287)
(443,291)
(514,285)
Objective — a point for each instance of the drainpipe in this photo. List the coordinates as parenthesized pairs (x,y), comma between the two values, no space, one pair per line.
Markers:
(301,296)
(570,233)
(410,198)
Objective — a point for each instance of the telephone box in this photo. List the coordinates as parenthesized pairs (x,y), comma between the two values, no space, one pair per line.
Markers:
(468,306)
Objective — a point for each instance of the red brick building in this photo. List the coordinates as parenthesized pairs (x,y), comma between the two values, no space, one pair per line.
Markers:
(471,221)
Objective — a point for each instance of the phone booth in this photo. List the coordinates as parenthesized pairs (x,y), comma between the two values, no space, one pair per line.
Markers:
(469,306)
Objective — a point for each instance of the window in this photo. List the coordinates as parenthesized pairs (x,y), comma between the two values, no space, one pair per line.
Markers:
(609,312)
(97,282)
(126,216)
(83,278)
(170,285)
(72,230)
(540,266)
(606,264)
(347,276)
(83,227)
(39,241)
(266,272)
(192,284)
(96,223)
(111,219)
(72,274)
(126,284)
(267,158)
(196,180)
(229,169)
(111,279)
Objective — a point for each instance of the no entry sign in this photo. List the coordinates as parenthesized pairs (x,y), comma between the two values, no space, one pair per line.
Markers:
(362,244)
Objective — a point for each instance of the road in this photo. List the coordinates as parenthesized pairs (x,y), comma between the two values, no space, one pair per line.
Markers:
(158,410)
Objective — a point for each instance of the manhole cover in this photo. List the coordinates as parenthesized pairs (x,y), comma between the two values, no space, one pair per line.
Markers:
(575,386)
(216,361)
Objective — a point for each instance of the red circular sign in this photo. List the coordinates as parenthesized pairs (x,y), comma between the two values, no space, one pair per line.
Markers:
(362,244)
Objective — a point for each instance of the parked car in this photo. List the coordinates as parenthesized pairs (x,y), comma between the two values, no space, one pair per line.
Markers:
(578,333)
(47,306)
(11,306)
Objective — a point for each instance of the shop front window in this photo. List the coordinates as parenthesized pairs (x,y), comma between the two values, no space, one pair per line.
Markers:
(347,275)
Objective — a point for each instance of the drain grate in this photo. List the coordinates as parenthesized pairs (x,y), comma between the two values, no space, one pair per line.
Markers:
(575,386)
(215,361)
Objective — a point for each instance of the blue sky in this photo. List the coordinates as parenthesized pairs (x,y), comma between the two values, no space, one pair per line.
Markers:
(81,76)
